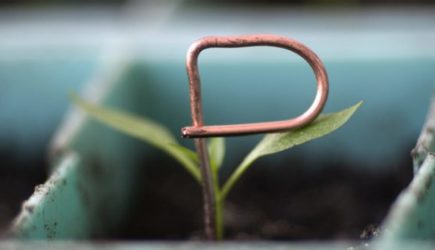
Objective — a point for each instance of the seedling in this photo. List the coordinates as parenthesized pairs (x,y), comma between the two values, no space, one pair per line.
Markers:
(210,156)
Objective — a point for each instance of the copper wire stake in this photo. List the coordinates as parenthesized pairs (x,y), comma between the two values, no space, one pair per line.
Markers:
(198,130)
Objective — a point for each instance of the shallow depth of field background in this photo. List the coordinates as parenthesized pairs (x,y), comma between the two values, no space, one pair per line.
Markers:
(381,52)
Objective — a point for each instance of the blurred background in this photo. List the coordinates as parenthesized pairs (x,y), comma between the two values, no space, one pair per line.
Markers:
(381,52)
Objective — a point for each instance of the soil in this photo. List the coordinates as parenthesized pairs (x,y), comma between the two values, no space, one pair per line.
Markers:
(336,202)
(19,174)
(269,203)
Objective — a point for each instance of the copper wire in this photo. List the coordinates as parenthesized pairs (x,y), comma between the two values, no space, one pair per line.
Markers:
(199,130)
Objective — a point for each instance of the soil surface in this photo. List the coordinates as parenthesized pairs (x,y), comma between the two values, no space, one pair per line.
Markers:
(284,202)
(19,175)
(270,202)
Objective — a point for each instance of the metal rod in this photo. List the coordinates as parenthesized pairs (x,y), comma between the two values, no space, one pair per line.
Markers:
(208,192)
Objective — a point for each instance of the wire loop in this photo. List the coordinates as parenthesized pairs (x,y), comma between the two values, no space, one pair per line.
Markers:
(199,130)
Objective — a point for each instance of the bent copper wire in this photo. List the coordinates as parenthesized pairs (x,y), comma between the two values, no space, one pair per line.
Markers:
(199,130)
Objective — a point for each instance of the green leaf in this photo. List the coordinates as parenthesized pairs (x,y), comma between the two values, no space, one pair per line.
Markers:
(216,150)
(144,129)
(189,153)
(277,142)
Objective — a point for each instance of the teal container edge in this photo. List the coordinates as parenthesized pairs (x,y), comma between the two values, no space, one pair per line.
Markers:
(412,216)
(80,200)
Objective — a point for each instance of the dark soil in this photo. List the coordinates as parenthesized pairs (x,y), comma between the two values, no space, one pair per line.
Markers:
(269,203)
(19,174)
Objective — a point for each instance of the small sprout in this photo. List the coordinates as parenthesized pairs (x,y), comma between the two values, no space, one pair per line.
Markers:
(160,137)
(216,150)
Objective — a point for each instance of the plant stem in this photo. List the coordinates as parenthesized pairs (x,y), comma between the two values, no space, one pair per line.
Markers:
(218,204)
(208,190)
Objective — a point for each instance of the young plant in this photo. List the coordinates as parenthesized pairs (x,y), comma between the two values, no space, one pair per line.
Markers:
(157,135)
